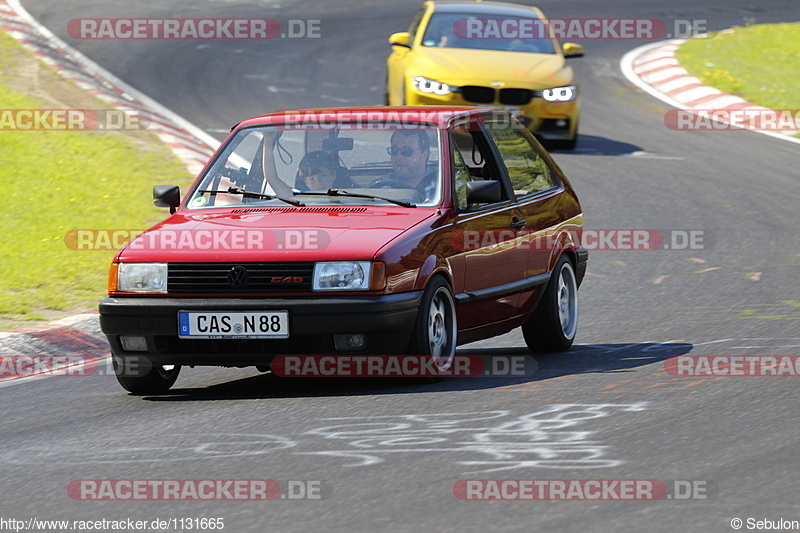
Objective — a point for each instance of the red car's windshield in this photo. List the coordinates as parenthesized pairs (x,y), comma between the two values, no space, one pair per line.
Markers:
(399,162)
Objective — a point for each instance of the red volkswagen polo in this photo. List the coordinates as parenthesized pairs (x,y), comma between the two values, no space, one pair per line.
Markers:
(351,231)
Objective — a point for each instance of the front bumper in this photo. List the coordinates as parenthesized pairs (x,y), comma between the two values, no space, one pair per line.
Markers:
(385,320)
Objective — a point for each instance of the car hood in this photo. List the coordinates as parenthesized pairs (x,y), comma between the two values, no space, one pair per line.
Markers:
(273,234)
(456,66)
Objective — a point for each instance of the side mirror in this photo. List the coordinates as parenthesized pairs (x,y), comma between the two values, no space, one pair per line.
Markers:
(484,192)
(167,196)
(402,38)
(572,50)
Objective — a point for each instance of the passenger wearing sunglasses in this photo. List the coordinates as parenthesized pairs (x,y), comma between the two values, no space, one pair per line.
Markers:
(410,150)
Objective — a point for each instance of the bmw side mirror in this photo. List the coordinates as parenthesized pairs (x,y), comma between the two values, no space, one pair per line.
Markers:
(572,50)
(402,38)
(167,196)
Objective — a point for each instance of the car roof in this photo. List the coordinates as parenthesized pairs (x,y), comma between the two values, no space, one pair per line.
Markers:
(437,116)
(485,8)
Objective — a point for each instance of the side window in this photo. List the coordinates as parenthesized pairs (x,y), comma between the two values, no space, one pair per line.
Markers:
(527,169)
(414,26)
(460,176)
(471,163)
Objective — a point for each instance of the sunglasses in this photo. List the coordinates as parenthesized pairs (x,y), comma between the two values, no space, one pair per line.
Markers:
(405,151)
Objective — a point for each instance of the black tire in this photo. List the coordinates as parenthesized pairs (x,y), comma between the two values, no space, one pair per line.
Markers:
(436,330)
(554,322)
(565,144)
(144,379)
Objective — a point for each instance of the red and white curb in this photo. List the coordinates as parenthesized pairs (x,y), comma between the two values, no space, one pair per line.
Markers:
(77,338)
(80,336)
(654,69)
(190,144)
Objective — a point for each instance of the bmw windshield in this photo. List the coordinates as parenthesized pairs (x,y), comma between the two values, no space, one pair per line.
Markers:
(510,34)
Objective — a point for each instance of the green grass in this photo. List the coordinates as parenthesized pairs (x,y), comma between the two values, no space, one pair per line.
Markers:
(56,181)
(758,63)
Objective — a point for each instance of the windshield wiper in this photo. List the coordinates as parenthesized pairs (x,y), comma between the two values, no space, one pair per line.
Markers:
(249,194)
(339,192)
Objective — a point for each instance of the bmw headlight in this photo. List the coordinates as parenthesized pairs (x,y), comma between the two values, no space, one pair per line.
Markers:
(342,276)
(427,85)
(142,277)
(560,94)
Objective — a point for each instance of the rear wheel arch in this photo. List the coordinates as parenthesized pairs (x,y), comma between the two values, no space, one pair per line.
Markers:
(563,245)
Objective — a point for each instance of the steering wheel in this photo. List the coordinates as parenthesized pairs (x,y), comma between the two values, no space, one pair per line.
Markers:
(381,183)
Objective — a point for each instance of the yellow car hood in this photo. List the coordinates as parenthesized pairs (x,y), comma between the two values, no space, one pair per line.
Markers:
(458,66)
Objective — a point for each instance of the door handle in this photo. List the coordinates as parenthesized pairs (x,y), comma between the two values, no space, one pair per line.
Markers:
(518,224)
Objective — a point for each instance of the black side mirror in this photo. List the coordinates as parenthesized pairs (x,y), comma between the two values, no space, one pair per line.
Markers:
(167,196)
(484,192)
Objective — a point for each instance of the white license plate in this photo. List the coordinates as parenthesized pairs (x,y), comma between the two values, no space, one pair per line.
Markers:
(233,325)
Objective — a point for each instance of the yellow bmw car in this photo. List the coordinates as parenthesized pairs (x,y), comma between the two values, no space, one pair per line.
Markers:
(488,54)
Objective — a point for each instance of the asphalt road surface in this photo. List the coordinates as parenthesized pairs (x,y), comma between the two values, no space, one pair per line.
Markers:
(386,456)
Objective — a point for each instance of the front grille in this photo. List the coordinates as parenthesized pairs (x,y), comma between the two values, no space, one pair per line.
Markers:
(203,278)
(515,96)
(486,95)
(478,95)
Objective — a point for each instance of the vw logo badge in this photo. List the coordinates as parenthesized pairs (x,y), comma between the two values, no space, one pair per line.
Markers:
(238,276)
